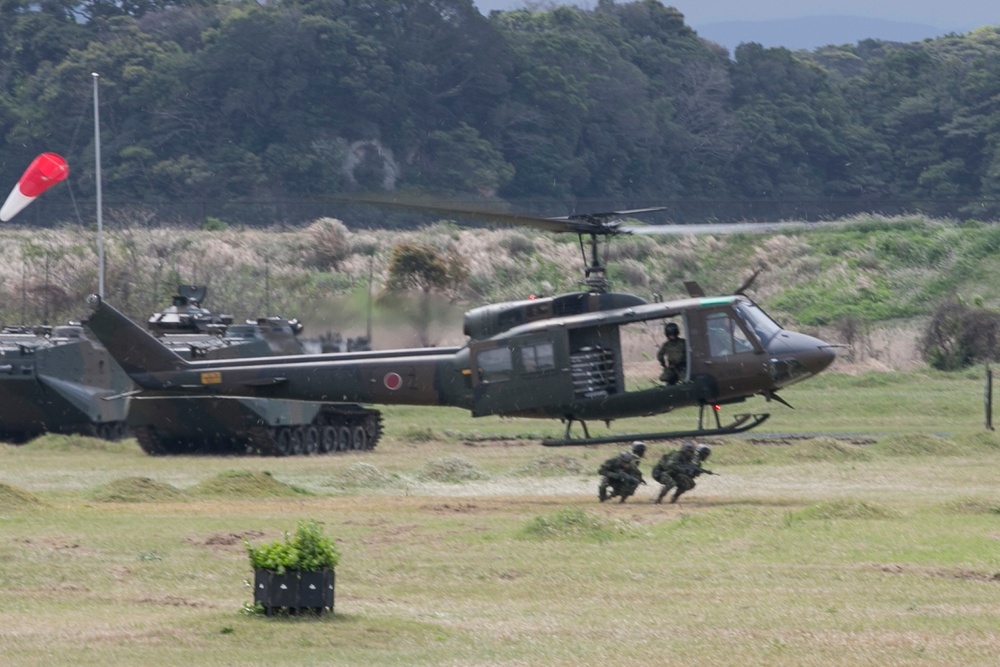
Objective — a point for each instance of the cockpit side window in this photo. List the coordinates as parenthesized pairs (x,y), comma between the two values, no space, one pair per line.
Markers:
(725,337)
(495,364)
(757,320)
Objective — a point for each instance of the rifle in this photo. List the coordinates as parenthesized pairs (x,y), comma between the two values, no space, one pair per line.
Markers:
(694,471)
(633,479)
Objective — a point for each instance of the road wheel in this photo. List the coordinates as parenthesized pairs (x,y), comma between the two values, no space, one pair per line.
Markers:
(297,440)
(283,442)
(310,440)
(343,438)
(328,440)
(359,438)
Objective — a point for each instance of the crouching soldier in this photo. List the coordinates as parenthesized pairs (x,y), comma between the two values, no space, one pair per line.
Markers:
(678,469)
(621,474)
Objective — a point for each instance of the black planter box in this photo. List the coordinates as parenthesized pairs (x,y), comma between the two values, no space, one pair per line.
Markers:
(294,592)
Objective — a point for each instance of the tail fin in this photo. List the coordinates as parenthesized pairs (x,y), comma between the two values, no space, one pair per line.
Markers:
(134,348)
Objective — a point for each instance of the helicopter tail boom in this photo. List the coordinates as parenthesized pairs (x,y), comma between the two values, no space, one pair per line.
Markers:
(141,352)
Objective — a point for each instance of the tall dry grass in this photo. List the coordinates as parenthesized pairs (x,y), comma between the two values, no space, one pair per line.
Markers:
(323,274)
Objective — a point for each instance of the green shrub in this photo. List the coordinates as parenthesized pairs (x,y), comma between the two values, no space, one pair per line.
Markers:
(330,242)
(213,224)
(576,523)
(308,550)
(450,469)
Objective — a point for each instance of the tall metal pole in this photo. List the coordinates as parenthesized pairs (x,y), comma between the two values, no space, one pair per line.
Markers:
(100,204)
(267,286)
(371,273)
(988,397)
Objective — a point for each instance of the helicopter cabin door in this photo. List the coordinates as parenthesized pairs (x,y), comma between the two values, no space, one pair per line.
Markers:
(521,374)
(724,352)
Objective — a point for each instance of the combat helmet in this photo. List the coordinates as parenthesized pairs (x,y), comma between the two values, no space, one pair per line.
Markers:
(639,448)
(704,451)
(671,329)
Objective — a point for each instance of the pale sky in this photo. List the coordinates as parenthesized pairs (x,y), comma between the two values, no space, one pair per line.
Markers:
(957,15)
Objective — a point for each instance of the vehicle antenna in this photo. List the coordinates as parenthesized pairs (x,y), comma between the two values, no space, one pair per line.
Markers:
(267,285)
(371,273)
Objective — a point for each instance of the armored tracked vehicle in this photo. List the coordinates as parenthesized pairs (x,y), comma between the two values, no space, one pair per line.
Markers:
(207,424)
(57,380)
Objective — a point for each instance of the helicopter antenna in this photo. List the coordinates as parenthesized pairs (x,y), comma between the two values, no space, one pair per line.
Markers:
(748,283)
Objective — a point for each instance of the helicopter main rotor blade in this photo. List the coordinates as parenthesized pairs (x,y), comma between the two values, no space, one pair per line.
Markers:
(605,223)
(608,215)
(583,223)
(720,228)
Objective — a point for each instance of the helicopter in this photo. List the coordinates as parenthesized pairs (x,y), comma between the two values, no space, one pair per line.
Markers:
(557,357)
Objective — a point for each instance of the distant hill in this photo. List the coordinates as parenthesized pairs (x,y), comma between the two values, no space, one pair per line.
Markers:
(812,32)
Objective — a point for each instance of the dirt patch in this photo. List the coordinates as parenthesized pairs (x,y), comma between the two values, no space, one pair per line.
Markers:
(393,535)
(793,439)
(942,573)
(225,539)
(54,544)
(461,508)
(171,601)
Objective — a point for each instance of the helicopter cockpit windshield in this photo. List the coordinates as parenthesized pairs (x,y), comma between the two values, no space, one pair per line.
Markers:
(759,321)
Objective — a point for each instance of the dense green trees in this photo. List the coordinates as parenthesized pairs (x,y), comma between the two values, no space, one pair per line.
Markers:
(243,101)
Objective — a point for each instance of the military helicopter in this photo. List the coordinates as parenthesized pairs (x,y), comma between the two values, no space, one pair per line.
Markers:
(557,357)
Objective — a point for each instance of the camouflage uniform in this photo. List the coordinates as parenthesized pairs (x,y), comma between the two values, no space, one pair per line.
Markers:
(622,474)
(672,355)
(676,469)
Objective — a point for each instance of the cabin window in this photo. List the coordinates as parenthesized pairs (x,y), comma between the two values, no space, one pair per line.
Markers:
(494,364)
(538,358)
(725,337)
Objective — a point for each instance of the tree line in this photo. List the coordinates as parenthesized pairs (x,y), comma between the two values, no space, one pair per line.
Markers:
(289,100)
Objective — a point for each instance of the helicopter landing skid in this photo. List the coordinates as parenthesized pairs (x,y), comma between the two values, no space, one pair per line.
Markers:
(741,423)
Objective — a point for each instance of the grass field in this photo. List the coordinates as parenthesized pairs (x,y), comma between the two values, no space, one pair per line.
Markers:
(464,542)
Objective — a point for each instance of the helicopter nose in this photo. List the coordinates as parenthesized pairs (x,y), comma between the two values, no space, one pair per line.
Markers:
(796,356)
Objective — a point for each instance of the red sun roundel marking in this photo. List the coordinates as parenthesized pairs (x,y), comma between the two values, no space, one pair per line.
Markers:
(392,381)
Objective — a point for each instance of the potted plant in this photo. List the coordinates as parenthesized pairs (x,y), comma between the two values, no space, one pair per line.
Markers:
(296,574)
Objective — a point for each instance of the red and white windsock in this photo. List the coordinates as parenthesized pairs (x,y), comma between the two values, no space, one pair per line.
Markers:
(44,171)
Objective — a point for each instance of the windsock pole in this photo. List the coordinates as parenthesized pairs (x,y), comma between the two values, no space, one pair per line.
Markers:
(97,173)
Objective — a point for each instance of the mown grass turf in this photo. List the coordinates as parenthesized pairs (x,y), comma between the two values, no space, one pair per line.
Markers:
(476,546)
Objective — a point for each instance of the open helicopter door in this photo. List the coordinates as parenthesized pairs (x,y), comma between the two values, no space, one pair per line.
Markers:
(520,374)
(723,351)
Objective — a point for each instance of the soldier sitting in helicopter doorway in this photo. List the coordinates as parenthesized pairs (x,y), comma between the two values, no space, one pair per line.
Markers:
(672,355)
